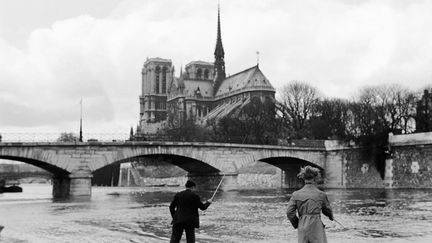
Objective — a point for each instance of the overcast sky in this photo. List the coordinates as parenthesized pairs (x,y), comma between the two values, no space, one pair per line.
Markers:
(53,52)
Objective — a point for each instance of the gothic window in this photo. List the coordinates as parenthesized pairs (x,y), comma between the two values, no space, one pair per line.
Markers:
(164,79)
(199,73)
(157,75)
(206,74)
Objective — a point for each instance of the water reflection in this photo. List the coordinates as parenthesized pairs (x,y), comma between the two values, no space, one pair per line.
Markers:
(142,215)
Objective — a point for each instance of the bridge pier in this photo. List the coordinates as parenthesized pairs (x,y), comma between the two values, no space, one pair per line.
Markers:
(80,184)
(61,185)
(290,179)
(211,181)
(74,185)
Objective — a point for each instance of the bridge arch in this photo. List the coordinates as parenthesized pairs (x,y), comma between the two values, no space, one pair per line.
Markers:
(191,165)
(185,164)
(59,176)
(54,170)
(215,161)
(290,167)
(289,163)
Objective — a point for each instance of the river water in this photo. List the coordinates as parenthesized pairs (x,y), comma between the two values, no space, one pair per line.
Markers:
(142,215)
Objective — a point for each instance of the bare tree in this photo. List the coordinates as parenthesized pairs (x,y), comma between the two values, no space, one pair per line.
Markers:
(364,113)
(67,137)
(385,108)
(404,102)
(297,103)
(330,119)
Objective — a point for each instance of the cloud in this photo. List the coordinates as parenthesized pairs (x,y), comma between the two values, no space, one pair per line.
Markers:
(337,46)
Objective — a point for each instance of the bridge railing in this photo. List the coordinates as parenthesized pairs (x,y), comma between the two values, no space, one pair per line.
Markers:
(54,137)
(120,137)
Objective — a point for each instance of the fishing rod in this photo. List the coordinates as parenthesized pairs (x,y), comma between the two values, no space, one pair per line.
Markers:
(217,188)
(339,223)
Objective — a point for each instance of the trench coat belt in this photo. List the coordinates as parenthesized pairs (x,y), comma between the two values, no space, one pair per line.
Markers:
(310,214)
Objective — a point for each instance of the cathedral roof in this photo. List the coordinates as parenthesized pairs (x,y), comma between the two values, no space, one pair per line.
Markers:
(251,78)
(157,59)
(205,87)
(199,63)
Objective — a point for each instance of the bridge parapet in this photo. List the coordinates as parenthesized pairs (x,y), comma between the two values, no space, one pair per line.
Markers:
(162,143)
(423,138)
(53,137)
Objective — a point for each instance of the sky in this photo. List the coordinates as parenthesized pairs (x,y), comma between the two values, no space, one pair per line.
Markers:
(55,53)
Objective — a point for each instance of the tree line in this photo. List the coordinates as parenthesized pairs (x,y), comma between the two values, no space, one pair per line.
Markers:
(301,112)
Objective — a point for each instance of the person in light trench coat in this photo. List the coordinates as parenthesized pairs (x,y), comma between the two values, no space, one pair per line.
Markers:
(309,202)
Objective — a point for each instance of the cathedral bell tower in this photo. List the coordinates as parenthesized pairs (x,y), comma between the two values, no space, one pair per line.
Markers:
(219,64)
(157,74)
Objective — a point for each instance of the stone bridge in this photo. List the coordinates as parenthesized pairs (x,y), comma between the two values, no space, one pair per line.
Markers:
(72,164)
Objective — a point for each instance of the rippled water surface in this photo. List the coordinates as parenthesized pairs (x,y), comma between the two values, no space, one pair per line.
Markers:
(142,215)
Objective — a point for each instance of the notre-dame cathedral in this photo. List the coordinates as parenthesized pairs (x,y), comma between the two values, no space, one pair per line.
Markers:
(202,92)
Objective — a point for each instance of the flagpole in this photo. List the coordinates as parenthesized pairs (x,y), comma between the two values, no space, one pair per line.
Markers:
(80,135)
(257,53)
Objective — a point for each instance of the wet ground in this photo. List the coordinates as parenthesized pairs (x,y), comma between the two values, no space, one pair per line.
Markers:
(142,215)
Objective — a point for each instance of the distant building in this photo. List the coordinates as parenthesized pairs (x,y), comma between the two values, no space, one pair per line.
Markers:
(202,92)
(424,113)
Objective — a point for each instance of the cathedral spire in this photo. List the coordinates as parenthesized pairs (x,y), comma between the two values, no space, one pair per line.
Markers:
(219,64)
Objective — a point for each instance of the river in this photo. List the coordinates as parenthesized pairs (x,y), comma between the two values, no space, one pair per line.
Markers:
(119,214)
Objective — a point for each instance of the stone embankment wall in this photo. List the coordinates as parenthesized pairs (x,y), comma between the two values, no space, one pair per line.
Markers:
(258,181)
(410,162)
(171,181)
(360,168)
(407,163)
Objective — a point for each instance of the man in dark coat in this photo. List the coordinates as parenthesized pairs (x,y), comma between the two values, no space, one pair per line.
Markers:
(309,202)
(184,212)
